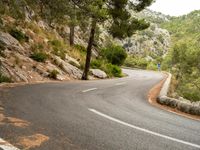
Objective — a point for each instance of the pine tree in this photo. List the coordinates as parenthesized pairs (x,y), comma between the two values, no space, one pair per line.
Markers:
(123,25)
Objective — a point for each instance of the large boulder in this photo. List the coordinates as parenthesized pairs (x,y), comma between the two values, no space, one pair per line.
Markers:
(98,73)
(9,42)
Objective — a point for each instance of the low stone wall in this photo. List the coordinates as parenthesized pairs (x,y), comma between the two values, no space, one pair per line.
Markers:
(182,105)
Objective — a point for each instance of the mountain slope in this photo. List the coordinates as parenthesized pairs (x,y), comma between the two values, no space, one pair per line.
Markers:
(152,41)
(184,58)
(184,27)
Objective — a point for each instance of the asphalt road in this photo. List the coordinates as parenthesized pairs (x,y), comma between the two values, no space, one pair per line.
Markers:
(97,115)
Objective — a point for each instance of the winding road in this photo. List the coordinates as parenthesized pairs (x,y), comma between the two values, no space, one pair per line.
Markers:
(96,115)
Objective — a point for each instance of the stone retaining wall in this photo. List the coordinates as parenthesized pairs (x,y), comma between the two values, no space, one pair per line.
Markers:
(182,105)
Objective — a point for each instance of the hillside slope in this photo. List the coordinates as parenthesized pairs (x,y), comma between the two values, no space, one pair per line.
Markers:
(154,41)
(33,50)
(184,57)
(184,27)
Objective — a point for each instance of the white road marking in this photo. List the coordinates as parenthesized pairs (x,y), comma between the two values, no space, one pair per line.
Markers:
(143,130)
(92,89)
(120,83)
(6,146)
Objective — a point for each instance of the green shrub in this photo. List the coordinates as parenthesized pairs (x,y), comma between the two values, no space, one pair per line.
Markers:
(116,71)
(56,43)
(17,34)
(74,64)
(53,74)
(96,63)
(59,52)
(80,48)
(136,62)
(39,56)
(58,48)
(1,22)
(191,95)
(4,78)
(152,66)
(188,91)
(112,70)
(2,53)
(2,48)
(114,54)
(36,47)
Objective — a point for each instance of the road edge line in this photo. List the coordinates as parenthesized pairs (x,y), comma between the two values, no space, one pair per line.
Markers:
(143,129)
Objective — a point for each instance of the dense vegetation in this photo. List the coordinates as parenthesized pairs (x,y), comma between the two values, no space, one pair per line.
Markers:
(184,58)
(87,14)
(140,62)
(110,60)
(114,54)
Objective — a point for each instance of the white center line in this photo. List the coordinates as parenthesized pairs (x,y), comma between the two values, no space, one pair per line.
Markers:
(121,83)
(6,146)
(143,130)
(92,89)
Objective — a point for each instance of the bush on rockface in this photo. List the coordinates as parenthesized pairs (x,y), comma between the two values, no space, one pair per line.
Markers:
(53,74)
(4,78)
(58,48)
(96,63)
(2,48)
(39,56)
(110,69)
(114,54)
(19,35)
(81,48)
(113,70)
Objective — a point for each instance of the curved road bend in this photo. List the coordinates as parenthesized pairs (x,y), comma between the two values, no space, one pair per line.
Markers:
(98,115)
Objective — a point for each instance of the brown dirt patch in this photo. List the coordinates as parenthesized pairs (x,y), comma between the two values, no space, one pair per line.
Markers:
(13,121)
(17,122)
(153,94)
(2,117)
(28,142)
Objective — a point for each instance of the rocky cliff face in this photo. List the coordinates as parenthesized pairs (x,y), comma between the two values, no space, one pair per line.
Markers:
(15,53)
(154,41)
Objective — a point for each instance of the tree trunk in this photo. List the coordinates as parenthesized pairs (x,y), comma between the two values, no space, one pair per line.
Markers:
(89,50)
(41,7)
(71,36)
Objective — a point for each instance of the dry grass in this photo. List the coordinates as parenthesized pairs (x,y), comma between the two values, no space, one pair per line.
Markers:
(75,53)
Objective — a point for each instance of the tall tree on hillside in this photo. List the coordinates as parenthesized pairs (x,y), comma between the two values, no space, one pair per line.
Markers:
(115,11)
(76,17)
(64,12)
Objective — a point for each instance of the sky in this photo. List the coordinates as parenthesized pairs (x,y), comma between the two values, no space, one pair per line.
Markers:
(175,7)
